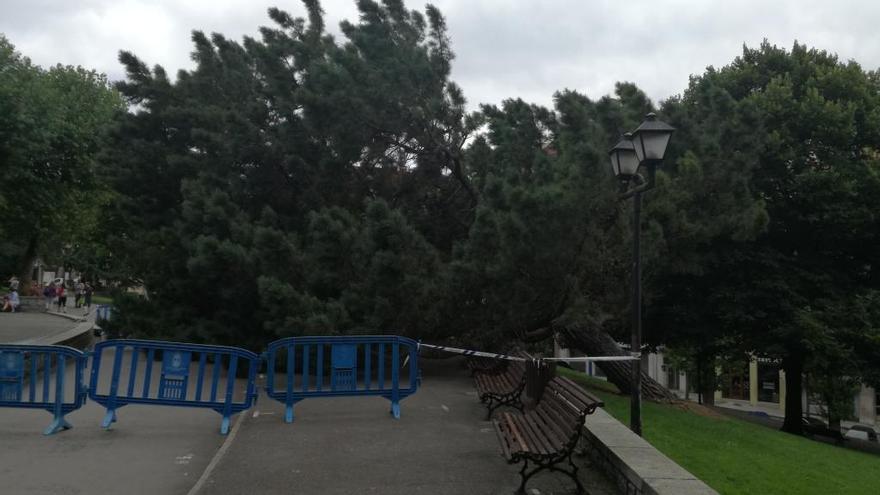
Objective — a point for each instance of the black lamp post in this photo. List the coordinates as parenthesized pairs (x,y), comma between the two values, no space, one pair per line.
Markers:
(645,146)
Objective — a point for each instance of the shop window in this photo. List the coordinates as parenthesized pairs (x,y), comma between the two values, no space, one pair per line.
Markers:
(672,379)
(735,382)
(768,382)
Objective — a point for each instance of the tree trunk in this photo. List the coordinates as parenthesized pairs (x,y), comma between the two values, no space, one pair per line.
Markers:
(26,265)
(794,371)
(709,386)
(833,423)
(595,342)
(707,382)
(699,379)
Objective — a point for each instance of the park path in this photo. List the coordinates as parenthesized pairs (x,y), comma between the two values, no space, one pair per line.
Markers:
(441,444)
(30,326)
(19,327)
(149,451)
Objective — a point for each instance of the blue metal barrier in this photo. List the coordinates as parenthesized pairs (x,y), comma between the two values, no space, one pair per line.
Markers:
(42,367)
(134,363)
(103,312)
(356,366)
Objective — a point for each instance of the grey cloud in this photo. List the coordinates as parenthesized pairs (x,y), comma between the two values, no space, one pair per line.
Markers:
(504,48)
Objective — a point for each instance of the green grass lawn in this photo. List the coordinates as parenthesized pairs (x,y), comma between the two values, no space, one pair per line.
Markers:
(734,456)
(102,300)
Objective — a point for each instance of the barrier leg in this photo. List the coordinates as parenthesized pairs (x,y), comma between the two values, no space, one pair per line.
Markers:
(395,409)
(58,424)
(109,418)
(288,413)
(224,426)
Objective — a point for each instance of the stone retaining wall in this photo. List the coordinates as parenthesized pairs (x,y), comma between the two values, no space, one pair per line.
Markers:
(636,466)
(32,304)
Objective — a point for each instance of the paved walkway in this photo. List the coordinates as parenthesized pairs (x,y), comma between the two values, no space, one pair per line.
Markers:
(441,445)
(26,326)
(149,451)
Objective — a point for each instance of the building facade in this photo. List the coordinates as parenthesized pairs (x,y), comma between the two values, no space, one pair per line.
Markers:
(757,383)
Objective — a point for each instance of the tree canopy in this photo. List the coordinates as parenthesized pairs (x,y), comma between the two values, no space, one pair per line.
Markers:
(51,121)
(303,184)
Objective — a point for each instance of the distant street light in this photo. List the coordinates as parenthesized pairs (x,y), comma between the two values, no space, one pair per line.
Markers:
(646,146)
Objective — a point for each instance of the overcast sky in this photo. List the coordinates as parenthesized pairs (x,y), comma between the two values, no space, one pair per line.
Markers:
(504,48)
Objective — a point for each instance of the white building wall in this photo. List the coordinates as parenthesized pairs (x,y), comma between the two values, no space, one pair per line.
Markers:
(866,405)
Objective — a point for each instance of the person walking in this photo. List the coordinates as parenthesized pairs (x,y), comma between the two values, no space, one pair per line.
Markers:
(49,295)
(78,293)
(87,293)
(61,292)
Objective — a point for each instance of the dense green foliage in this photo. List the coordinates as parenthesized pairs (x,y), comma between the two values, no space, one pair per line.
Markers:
(50,127)
(799,131)
(303,184)
(736,457)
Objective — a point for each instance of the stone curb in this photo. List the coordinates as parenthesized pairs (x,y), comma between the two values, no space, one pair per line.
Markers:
(65,315)
(69,337)
(634,464)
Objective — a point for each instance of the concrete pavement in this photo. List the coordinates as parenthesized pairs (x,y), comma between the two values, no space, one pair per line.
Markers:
(17,327)
(150,450)
(29,326)
(440,445)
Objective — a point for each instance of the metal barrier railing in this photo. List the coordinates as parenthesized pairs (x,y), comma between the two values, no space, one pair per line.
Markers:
(103,312)
(341,366)
(33,376)
(135,362)
(126,371)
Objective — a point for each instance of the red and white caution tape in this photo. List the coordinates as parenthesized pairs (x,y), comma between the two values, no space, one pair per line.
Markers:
(584,359)
(471,352)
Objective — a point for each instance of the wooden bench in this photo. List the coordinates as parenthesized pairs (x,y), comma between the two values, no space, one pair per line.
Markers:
(502,388)
(549,433)
(477,364)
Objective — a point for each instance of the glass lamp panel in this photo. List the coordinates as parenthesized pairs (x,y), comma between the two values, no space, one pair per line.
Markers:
(655,144)
(623,157)
(639,146)
(615,164)
(629,162)
(651,138)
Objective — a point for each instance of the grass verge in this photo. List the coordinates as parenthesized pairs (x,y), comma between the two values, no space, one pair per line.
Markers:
(737,457)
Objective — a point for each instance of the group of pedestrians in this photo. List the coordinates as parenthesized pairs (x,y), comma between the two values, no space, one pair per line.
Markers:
(56,295)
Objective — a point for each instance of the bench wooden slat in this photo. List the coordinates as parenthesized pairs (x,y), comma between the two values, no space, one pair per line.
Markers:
(523,446)
(554,428)
(502,436)
(548,433)
(532,434)
(575,393)
(504,388)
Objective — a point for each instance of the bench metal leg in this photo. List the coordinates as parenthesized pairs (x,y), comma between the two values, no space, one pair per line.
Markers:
(551,465)
(525,477)
(512,402)
(574,474)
